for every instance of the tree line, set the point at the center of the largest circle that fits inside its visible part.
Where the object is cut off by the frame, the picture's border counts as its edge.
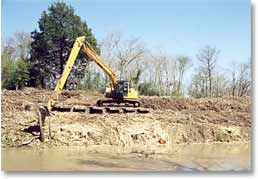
(37, 59)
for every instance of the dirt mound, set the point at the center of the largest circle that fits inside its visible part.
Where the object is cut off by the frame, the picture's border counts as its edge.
(163, 103)
(203, 104)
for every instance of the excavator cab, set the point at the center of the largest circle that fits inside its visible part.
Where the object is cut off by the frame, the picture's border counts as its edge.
(122, 93)
(121, 90)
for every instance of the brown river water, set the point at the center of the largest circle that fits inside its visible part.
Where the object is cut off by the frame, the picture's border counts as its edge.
(190, 157)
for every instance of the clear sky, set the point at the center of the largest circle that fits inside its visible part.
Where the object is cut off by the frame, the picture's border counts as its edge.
(179, 26)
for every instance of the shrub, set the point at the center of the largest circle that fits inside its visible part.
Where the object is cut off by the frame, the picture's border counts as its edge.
(14, 73)
(148, 89)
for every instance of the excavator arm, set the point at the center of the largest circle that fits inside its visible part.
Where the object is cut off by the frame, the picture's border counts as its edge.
(90, 52)
(80, 43)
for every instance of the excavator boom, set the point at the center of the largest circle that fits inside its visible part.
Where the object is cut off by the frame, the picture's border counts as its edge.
(87, 49)
(119, 91)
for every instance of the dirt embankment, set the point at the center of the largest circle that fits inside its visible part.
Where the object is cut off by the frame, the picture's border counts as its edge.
(170, 121)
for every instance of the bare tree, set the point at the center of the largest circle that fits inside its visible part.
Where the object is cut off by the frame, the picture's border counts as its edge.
(233, 75)
(166, 73)
(128, 51)
(22, 43)
(221, 85)
(183, 63)
(162, 71)
(240, 82)
(208, 57)
(108, 51)
(198, 84)
(123, 55)
(244, 80)
(19, 45)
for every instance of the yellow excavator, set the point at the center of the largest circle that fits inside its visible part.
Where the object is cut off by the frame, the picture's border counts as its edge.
(119, 93)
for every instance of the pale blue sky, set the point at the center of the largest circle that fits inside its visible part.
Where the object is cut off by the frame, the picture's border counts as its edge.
(179, 26)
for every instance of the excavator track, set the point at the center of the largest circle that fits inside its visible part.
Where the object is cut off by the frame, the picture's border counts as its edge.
(117, 106)
(118, 102)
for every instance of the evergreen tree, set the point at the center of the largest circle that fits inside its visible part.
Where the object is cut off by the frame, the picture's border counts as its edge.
(59, 26)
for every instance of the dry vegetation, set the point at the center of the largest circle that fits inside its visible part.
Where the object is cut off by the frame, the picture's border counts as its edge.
(170, 121)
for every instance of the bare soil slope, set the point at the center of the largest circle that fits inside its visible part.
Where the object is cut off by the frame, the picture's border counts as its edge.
(170, 121)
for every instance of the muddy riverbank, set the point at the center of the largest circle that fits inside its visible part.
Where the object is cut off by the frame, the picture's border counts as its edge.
(170, 121)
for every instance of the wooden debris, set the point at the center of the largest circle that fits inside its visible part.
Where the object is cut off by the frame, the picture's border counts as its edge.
(143, 110)
(128, 110)
(95, 110)
(112, 110)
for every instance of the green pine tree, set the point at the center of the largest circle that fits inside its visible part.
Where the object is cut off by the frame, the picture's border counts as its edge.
(59, 26)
